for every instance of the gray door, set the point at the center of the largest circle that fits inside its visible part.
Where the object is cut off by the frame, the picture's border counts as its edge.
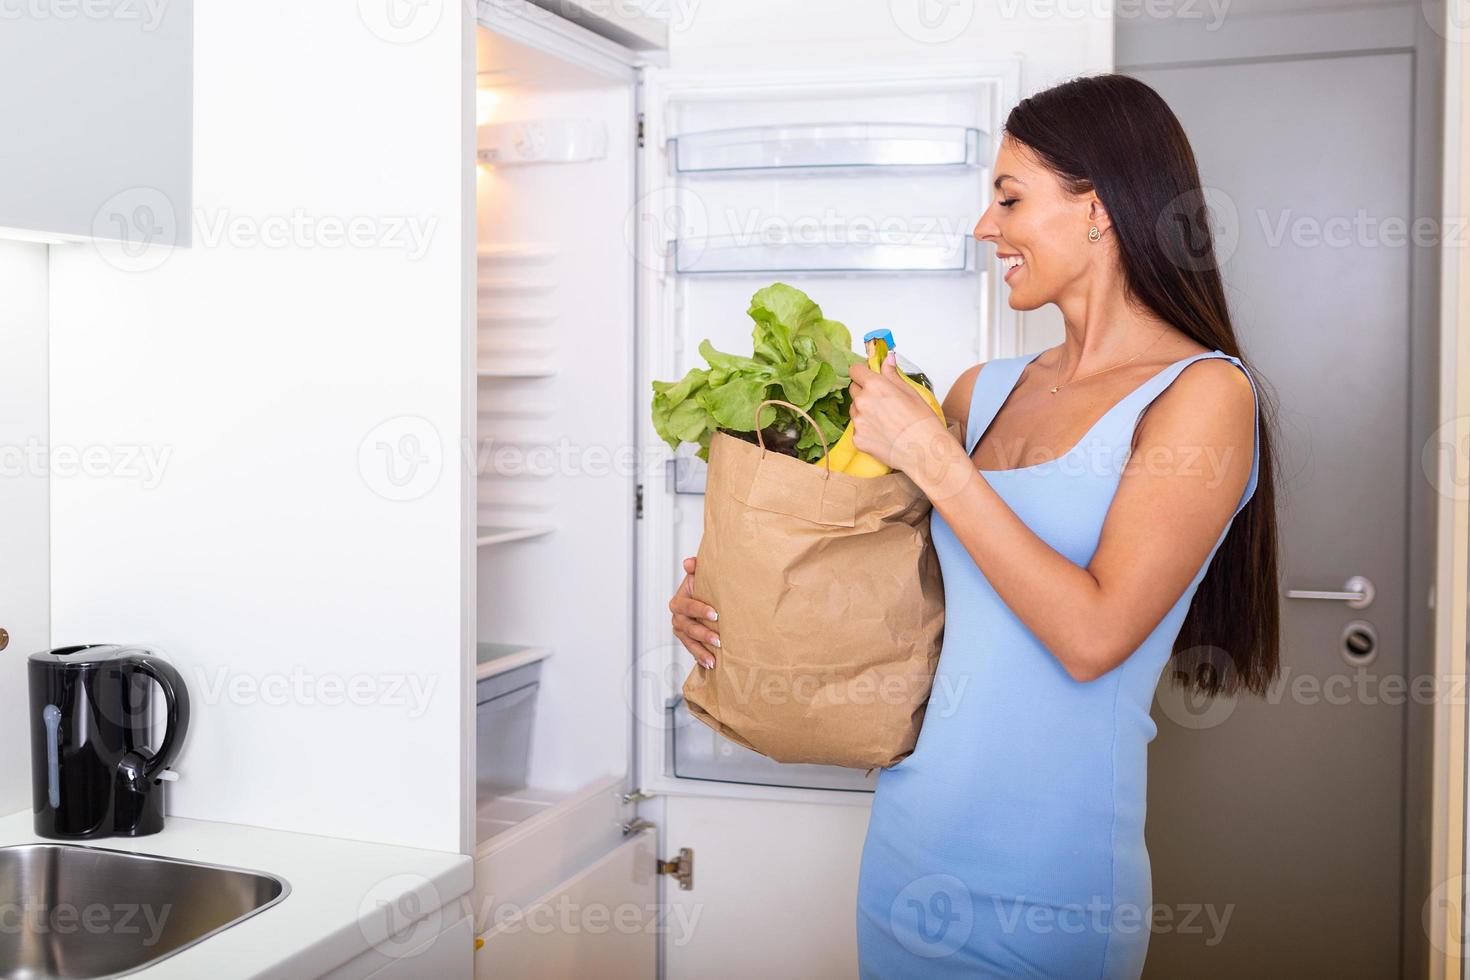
(1275, 827)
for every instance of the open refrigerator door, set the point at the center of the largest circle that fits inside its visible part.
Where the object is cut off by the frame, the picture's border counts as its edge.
(863, 195)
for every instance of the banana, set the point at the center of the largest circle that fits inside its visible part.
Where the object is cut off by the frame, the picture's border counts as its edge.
(841, 453)
(845, 457)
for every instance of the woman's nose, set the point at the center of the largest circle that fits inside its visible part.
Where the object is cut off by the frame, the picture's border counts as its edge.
(985, 228)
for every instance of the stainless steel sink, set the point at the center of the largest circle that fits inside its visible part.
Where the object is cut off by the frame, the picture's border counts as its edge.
(72, 911)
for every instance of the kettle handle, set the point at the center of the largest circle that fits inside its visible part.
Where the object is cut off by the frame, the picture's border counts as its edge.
(176, 711)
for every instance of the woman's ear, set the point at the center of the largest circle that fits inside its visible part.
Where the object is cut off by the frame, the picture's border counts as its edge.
(1097, 214)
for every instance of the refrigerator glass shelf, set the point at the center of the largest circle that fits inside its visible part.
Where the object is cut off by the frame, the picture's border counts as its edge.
(701, 753)
(694, 256)
(487, 534)
(825, 146)
(492, 659)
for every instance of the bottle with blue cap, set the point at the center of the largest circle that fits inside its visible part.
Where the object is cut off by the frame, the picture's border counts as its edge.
(844, 456)
(904, 366)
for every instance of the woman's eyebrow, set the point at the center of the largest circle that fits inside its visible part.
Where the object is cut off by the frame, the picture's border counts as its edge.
(1002, 177)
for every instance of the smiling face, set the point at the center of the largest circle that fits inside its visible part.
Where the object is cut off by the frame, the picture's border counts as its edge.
(1039, 230)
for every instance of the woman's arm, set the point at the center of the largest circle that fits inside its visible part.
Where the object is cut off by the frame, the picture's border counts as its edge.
(1192, 461)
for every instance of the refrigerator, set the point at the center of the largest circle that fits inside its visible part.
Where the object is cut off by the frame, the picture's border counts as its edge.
(626, 212)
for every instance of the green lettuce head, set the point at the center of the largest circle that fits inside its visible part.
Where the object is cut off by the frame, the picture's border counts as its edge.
(798, 356)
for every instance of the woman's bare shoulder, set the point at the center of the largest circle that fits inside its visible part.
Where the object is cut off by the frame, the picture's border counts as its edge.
(957, 403)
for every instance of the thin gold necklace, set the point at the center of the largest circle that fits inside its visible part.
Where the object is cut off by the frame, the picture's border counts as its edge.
(1058, 387)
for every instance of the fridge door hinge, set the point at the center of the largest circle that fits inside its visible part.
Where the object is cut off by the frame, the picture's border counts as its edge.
(640, 130)
(638, 503)
(637, 826)
(682, 868)
(636, 796)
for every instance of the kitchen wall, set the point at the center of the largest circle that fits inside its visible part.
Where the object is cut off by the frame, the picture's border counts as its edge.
(274, 417)
(23, 503)
(1054, 40)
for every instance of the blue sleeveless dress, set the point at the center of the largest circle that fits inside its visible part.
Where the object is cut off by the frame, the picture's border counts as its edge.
(1010, 843)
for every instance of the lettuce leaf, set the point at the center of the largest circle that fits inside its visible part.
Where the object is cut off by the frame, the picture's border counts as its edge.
(798, 356)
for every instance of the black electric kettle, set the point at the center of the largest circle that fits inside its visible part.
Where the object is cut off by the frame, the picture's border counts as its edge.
(92, 771)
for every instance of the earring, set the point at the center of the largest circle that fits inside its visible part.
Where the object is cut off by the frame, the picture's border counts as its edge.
(1093, 234)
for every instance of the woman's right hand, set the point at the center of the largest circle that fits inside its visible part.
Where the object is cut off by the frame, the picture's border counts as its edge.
(693, 620)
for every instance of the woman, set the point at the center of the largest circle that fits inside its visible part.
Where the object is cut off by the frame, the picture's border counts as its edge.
(1083, 541)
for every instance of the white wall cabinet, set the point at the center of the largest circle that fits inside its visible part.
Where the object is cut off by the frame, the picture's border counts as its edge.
(24, 488)
(96, 104)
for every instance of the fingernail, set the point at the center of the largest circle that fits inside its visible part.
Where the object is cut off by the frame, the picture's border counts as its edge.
(712, 616)
(716, 641)
(709, 664)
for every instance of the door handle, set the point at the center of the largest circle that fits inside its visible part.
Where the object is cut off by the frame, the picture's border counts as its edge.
(1358, 593)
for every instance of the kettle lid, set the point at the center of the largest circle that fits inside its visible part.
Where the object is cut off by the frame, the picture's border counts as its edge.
(83, 654)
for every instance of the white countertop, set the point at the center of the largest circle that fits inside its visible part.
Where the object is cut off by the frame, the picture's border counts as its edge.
(338, 906)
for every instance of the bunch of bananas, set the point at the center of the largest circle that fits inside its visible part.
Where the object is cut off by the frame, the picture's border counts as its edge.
(845, 457)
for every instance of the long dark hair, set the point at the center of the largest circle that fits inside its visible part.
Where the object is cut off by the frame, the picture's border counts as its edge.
(1114, 135)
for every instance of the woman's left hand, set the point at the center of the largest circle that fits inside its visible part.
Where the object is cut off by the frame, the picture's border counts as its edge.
(891, 421)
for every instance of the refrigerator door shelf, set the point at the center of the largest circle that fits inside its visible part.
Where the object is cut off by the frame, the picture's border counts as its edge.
(701, 753)
(883, 252)
(824, 147)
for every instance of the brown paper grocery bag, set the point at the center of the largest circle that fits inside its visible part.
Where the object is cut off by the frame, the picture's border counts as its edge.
(831, 608)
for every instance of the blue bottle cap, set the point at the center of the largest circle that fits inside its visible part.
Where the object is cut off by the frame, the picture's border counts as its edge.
(885, 335)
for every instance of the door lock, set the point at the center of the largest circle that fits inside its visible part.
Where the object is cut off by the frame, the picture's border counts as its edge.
(1359, 642)
(1357, 593)
(682, 868)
